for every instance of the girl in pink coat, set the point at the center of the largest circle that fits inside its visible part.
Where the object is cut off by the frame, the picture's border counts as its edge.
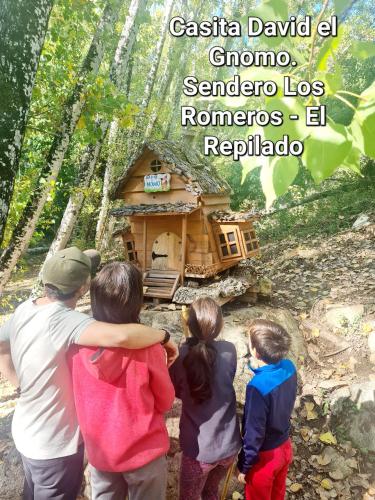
(121, 396)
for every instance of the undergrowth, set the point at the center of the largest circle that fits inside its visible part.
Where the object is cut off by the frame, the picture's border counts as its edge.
(323, 217)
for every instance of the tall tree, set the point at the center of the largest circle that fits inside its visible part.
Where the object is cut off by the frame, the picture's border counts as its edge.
(101, 239)
(23, 26)
(24, 229)
(92, 151)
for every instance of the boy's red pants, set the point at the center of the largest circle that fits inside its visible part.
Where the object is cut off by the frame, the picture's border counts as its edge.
(267, 479)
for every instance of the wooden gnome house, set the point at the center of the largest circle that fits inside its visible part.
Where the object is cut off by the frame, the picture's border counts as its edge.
(181, 225)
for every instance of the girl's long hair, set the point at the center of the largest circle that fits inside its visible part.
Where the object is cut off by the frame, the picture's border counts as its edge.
(117, 293)
(205, 322)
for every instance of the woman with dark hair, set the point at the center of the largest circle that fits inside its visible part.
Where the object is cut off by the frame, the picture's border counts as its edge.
(121, 396)
(203, 379)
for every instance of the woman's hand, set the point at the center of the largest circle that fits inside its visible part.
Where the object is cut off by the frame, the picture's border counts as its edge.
(172, 352)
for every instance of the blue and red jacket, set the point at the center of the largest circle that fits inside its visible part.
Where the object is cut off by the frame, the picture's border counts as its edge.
(270, 398)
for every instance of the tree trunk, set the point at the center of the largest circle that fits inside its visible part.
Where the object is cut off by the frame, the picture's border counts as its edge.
(101, 241)
(92, 151)
(157, 56)
(72, 110)
(102, 236)
(85, 174)
(23, 27)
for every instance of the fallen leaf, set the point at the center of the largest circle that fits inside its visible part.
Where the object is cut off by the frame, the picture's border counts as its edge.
(367, 328)
(326, 484)
(310, 412)
(352, 462)
(337, 475)
(328, 438)
(295, 487)
(315, 332)
(324, 459)
(305, 433)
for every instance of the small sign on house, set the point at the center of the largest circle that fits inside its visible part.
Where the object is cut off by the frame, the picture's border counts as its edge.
(155, 183)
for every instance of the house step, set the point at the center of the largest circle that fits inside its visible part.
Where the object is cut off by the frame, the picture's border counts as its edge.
(160, 284)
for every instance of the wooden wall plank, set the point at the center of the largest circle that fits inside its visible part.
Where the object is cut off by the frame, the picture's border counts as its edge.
(175, 196)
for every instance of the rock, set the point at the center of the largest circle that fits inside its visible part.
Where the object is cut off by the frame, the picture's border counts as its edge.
(358, 420)
(172, 320)
(283, 317)
(338, 399)
(265, 287)
(362, 429)
(363, 393)
(223, 289)
(235, 331)
(338, 315)
(361, 221)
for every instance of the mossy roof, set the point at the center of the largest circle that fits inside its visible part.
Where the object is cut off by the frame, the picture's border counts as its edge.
(183, 160)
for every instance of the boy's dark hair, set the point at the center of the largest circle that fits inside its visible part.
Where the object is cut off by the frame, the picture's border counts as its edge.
(117, 293)
(53, 293)
(271, 340)
(205, 322)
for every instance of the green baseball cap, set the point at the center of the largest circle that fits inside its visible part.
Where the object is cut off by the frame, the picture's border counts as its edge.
(67, 270)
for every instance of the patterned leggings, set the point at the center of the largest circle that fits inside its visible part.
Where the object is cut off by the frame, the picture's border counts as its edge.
(201, 480)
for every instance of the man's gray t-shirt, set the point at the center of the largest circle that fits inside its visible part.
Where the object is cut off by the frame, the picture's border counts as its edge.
(44, 423)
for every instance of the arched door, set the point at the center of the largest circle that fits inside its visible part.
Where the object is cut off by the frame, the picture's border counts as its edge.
(166, 252)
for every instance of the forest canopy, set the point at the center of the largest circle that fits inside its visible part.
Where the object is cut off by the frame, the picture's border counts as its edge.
(99, 77)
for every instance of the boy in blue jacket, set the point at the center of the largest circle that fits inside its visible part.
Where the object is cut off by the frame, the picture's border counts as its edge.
(270, 396)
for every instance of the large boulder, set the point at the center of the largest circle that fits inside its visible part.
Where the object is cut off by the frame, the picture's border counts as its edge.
(219, 291)
(172, 320)
(235, 330)
(354, 412)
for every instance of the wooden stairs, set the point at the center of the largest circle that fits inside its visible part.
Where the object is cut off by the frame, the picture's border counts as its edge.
(160, 284)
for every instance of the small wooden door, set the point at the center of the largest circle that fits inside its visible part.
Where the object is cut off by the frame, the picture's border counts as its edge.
(166, 252)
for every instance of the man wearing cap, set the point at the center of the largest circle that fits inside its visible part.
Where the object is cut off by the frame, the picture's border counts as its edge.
(38, 336)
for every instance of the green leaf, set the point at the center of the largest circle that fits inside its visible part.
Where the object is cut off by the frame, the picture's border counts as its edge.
(277, 176)
(325, 150)
(295, 129)
(248, 162)
(333, 81)
(234, 101)
(352, 161)
(261, 73)
(327, 50)
(272, 10)
(363, 123)
(363, 50)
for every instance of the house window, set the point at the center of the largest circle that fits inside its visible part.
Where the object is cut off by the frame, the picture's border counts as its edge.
(129, 244)
(155, 165)
(228, 243)
(250, 241)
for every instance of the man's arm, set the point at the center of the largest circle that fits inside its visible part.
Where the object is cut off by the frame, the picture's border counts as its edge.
(6, 364)
(129, 336)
